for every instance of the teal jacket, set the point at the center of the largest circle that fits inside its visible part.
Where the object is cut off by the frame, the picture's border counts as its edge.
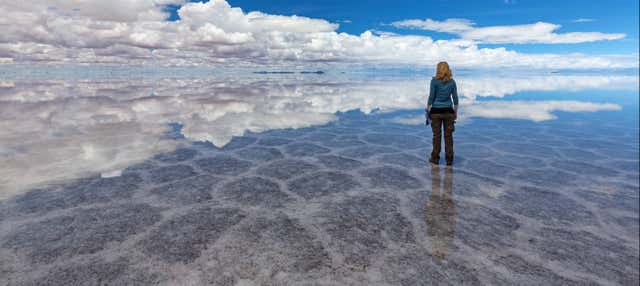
(441, 93)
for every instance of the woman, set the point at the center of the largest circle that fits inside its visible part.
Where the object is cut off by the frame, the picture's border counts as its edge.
(442, 111)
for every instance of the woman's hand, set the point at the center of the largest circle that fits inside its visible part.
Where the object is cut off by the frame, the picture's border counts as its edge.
(455, 115)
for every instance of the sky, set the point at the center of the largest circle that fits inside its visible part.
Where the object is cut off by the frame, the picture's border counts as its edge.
(358, 16)
(491, 33)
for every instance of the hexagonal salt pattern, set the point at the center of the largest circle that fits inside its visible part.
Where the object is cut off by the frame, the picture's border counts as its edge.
(349, 203)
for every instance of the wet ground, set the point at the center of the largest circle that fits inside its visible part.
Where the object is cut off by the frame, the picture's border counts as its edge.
(351, 201)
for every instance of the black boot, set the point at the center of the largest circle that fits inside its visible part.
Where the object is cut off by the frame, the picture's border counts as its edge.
(449, 160)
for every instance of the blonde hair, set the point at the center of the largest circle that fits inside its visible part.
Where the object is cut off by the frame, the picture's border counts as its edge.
(443, 73)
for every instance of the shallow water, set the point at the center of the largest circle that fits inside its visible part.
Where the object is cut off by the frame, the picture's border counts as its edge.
(259, 179)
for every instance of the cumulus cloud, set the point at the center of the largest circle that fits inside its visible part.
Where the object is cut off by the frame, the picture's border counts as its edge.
(539, 32)
(524, 109)
(215, 33)
(62, 129)
(532, 110)
(490, 86)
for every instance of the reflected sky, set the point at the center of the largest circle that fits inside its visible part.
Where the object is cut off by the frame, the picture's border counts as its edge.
(53, 130)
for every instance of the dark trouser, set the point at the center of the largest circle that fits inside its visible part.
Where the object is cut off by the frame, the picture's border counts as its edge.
(437, 120)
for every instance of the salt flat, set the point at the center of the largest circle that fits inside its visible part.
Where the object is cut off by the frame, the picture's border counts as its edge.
(271, 182)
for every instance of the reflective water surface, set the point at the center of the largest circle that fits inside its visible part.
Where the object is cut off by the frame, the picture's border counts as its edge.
(320, 178)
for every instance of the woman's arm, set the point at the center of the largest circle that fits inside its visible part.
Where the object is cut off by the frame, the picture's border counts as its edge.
(454, 95)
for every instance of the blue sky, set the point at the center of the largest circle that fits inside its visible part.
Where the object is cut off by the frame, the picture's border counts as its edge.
(494, 33)
(612, 16)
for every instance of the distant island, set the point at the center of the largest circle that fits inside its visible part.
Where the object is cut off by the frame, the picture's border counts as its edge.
(288, 72)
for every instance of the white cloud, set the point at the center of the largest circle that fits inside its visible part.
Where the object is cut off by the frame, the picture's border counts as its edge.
(582, 20)
(539, 32)
(57, 129)
(447, 26)
(532, 110)
(295, 24)
(489, 86)
(525, 109)
(135, 32)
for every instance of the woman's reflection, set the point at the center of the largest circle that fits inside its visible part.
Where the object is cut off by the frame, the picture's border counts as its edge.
(440, 213)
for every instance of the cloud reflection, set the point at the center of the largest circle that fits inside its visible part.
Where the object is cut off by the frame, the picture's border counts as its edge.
(61, 129)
